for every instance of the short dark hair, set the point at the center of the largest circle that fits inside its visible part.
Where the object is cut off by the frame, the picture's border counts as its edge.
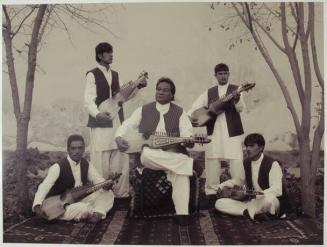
(170, 82)
(221, 67)
(101, 48)
(254, 138)
(74, 137)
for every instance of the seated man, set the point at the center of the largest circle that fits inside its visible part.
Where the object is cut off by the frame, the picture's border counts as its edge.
(262, 174)
(165, 117)
(71, 172)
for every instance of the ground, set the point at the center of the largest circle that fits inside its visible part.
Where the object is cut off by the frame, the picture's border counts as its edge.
(208, 226)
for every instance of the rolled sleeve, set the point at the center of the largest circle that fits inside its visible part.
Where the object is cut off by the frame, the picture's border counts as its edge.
(185, 126)
(93, 175)
(237, 180)
(46, 185)
(240, 105)
(201, 101)
(275, 180)
(130, 124)
(90, 95)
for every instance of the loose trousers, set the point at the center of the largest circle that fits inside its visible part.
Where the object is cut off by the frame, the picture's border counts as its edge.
(178, 167)
(100, 201)
(113, 161)
(261, 204)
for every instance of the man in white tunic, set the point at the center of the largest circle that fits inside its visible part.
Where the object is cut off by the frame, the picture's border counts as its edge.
(225, 130)
(166, 117)
(259, 173)
(71, 172)
(102, 83)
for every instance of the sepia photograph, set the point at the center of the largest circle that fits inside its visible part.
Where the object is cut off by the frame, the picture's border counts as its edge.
(163, 123)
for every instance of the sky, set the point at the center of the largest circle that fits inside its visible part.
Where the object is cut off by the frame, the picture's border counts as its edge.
(164, 39)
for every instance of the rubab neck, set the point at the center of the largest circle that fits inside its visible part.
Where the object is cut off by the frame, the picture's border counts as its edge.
(98, 186)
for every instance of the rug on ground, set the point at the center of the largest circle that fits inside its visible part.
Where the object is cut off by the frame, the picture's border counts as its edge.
(208, 228)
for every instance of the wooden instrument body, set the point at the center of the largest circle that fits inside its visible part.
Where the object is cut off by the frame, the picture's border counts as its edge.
(137, 142)
(54, 206)
(238, 193)
(127, 92)
(204, 114)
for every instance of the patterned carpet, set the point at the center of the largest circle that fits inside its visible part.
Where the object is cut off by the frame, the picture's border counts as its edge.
(208, 228)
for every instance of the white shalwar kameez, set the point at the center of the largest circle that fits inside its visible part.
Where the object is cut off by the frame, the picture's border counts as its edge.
(178, 167)
(100, 201)
(222, 146)
(262, 203)
(104, 154)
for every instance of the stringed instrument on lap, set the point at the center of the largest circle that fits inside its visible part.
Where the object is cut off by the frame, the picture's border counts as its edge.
(203, 115)
(126, 92)
(160, 140)
(54, 206)
(237, 193)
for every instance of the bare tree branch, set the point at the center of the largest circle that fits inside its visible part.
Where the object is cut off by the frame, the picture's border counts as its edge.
(317, 137)
(45, 23)
(64, 27)
(19, 11)
(278, 16)
(79, 18)
(295, 15)
(269, 61)
(270, 36)
(293, 11)
(6, 32)
(313, 47)
(32, 55)
(310, 19)
(22, 22)
(306, 115)
(292, 57)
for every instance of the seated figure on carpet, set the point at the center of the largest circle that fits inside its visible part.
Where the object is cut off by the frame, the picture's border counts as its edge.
(258, 189)
(169, 119)
(69, 173)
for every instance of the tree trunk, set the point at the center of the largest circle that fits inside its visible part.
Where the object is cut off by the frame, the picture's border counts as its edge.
(307, 180)
(21, 165)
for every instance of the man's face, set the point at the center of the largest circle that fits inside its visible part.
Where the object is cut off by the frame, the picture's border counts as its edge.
(76, 150)
(106, 57)
(163, 93)
(254, 151)
(222, 77)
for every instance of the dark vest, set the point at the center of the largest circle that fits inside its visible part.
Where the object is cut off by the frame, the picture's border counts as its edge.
(233, 118)
(66, 179)
(103, 92)
(263, 179)
(151, 116)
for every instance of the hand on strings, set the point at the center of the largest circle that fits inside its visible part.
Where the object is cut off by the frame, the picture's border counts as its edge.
(108, 186)
(189, 143)
(236, 98)
(39, 212)
(122, 144)
(103, 117)
(224, 192)
(142, 84)
(194, 121)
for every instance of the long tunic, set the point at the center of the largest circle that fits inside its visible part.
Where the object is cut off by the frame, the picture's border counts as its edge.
(177, 166)
(100, 201)
(262, 203)
(175, 162)
(102, 138)
(222, 146)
